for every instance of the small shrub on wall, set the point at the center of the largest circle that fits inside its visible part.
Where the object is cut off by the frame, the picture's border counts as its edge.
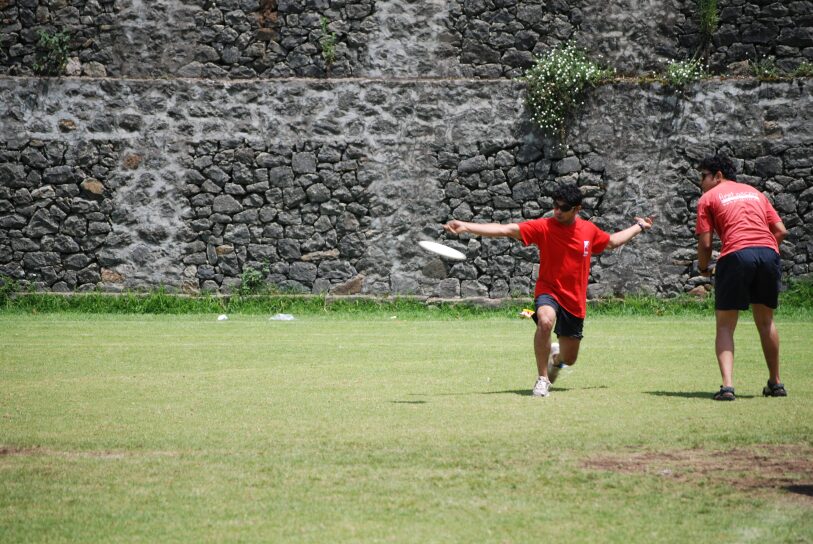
(51, 53)
(805, 69)
(327, 42)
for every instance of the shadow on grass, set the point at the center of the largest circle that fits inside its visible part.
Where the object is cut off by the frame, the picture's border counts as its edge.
(806, 490)
(691, 394)
(407, 402)
(521, 392)
(529, 392)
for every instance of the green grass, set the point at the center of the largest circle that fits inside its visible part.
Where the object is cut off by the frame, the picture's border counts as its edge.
(161, 428)
(796, 300)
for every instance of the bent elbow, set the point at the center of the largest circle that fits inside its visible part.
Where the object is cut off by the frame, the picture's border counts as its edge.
(612, 244)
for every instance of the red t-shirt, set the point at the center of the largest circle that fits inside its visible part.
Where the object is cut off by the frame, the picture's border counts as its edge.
(739, 214)
(564, 258)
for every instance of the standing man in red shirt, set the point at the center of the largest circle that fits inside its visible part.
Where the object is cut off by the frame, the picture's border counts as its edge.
(566, 242)
(748, 269)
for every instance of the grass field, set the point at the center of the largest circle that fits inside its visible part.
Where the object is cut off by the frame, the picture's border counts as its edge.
(117, 428)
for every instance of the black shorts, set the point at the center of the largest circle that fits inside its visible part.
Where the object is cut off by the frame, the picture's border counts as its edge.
(567, 324)
(748, 276)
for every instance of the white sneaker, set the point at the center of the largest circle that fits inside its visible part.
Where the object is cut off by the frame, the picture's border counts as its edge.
(553, 370)
(542, 386)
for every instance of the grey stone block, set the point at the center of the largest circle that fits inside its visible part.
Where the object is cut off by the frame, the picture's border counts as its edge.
(567, 165)
(303, 163)
(472, 165)
(226, 204)
(38, 259)
(41, 223)
(303, 272)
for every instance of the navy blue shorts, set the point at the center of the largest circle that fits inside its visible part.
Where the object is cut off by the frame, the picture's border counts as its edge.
(748, 276)
(567, 324)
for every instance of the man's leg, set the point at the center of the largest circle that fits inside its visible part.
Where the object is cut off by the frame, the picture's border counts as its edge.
(769, 337)
(724, 343)
(545, 320)
(568, 350)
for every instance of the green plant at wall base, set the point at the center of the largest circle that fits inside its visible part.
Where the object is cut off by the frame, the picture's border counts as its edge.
(252, 280)
(8, 287)
(557, 83)
(684, 72)
(709, 18)
(765, 69)
(51, 53)
(328, 42)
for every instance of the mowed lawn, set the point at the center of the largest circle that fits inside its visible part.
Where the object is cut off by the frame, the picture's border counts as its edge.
(323, 429)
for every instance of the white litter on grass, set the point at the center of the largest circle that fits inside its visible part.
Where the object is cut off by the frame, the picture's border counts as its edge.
(281, 317)
(222, 317)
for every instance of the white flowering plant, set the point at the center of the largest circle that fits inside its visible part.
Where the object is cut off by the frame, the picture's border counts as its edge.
(765, 69)
(680, 73)
(557, 82)
(805, 69)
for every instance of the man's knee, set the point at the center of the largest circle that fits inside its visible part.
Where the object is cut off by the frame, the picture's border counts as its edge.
(727, 320)
(545, 322)
(763, 317)
(764, 326)
(568, 353)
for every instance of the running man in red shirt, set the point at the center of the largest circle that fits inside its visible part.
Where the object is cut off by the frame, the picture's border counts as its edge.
(748, 269)
(566, 242)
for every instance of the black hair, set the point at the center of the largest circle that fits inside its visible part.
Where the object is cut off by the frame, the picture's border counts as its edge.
(569, 193)
(719, 163)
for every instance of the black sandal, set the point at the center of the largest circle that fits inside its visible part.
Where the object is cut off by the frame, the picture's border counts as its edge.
(774, 390)
(725, 393)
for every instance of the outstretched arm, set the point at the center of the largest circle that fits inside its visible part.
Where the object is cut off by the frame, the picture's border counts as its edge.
(621, 237)
(491, 230)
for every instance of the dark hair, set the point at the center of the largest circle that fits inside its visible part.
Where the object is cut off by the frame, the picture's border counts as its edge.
(569, 194)
(719, 163)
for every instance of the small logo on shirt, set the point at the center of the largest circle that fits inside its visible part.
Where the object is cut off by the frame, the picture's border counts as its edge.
(586, 248)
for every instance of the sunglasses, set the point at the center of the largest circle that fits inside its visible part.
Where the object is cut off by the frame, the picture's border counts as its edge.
(563, 207)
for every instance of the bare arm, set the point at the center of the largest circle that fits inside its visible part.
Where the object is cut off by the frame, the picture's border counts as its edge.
(621, 237)
(704, 252)
(491, 230)
(779, 231)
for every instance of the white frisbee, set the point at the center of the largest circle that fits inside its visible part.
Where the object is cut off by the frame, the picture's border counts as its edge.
(443, 251)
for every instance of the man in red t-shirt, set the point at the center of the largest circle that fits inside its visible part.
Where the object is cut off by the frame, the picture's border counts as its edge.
(566, 242)
(748, 269)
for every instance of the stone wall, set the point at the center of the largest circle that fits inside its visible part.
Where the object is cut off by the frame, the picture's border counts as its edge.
(327, 186)
(758, 30)
(393, 38)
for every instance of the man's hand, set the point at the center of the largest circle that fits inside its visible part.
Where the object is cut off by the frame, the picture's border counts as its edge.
(455, 227)
(645, 222)
(618, 239)
(708, 272)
